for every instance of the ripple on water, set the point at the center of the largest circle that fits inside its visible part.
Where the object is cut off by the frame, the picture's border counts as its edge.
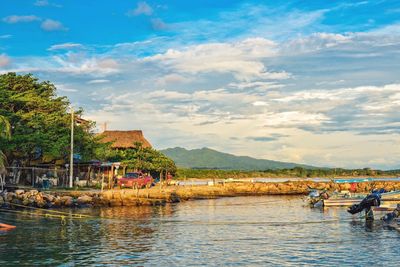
(268, 230)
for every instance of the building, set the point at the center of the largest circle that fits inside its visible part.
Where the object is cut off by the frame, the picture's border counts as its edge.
(124, 139)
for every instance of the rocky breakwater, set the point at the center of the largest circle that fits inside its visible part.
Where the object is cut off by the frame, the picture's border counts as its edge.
(60, 199)
(171, 194)
(273, 188)
(34, 198)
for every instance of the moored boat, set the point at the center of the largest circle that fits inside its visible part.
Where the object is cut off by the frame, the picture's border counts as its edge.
(6, 227)
(386, 198)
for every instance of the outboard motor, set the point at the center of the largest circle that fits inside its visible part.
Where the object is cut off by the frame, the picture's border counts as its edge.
(315, 198)
(388, 218)
(372, 200)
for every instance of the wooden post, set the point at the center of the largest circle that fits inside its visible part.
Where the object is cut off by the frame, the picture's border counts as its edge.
(110, 175)
(33, 177)
(102, 181)
(89, 172)
(161, 178)
(71, 159)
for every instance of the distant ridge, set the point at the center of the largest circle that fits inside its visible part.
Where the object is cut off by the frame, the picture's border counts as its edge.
(206, 158)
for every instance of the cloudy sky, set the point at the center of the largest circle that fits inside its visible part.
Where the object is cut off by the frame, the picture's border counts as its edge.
(315, 83)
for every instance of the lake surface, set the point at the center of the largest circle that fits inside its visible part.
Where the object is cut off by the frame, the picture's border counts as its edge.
(241, 231)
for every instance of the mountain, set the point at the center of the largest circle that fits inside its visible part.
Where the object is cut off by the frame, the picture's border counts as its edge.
(206, 158)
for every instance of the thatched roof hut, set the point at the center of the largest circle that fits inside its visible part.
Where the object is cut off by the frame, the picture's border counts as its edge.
(124, 139)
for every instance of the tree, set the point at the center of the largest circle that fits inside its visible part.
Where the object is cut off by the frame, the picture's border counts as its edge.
(41, 122)
(5, 133)
(138, 158)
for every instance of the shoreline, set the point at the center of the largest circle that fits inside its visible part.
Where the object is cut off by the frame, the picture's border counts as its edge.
(173, 194)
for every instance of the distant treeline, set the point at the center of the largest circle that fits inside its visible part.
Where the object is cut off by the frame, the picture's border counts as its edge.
(294, 172)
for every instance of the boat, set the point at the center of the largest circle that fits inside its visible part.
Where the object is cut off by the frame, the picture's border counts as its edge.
(320, 198)
(6, 227)
(386, 198)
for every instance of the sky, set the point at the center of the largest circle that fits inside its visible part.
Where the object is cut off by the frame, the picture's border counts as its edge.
(314, 82)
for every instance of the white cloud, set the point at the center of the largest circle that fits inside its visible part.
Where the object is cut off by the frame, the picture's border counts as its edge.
(65, 46)
(4, 60)
(242, 59)
(5, 36)
(17, 19)
(142, 9)
(52, 25)
(41, 3)
(158, 24)
(259, 85)
(294, 118)
(212, 117)
(65, 88)
(46, 3)
(315, 42)
(169, 95)
(98, 81)
(173, 78)
(74, 64)
(260, 103)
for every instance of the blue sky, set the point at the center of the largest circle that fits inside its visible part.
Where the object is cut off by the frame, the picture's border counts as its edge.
(315, 82)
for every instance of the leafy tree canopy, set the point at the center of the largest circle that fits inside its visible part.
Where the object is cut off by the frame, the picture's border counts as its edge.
(40, 121)
(5, 132)
(139, 158)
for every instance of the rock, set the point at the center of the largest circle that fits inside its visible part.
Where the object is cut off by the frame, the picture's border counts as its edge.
(19, 192)
(115, 203)
(31, 200)
(16, 201)
(57, 202)
(40, 204)
(10, 196)
(67, 201)
(85, 200)
(33, 192)
(38, 198)
(48, 197)
(26, 201)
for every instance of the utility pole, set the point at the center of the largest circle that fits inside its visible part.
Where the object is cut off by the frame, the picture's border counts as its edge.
(71, 161)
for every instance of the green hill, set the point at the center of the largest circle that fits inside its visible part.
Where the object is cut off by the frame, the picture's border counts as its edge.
(206, 158)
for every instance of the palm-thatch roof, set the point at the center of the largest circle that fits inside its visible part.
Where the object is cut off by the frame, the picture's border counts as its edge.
(124, 139)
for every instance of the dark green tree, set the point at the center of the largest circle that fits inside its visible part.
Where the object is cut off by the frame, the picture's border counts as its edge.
(5, 133)
(40, 121)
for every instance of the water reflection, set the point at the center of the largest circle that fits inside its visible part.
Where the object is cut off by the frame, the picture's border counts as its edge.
(231, 231)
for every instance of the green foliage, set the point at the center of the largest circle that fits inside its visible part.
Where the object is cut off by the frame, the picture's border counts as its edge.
(5, 133)
(138, 158)
(5, 128)
(206, 158)
(40, 121)
(285, 173)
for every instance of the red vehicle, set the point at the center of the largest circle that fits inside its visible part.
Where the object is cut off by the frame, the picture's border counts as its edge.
(135, 180)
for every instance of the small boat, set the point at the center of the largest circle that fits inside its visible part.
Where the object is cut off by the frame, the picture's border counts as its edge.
(386, 198)
(367, 179)
(6, 227)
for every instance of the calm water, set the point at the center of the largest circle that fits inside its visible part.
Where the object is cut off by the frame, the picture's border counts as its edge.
(242, 231)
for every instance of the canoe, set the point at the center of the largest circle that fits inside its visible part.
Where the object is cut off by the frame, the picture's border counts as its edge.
(6, 227)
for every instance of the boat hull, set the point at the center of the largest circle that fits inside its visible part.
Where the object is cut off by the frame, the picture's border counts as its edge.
(347, 202)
